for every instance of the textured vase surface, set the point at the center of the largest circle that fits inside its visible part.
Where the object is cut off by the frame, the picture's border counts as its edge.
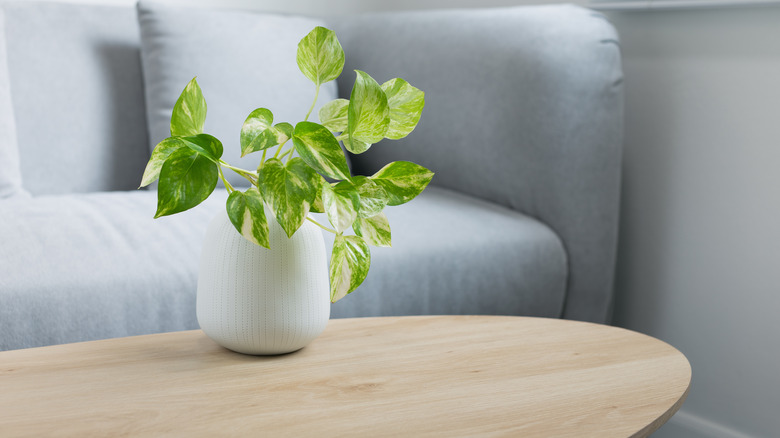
(262, 301)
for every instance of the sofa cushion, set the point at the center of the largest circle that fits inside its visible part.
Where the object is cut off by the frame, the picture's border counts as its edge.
(90, 266)
(77, 96)
(243, 61)
(454, 254)
(10, 173)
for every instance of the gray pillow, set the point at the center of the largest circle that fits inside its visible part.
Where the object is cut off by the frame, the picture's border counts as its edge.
(77, 95)
(10, 173)
(243, 60)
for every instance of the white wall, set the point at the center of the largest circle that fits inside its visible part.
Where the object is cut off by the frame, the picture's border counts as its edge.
(700, 245)
(700, 241)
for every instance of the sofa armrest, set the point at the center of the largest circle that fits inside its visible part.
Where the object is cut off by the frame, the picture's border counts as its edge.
(523, 108)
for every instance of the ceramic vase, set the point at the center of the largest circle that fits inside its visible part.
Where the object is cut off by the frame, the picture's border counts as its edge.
(262, 301)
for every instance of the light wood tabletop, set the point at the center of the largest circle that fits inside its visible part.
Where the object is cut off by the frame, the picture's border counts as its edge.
(407, 376)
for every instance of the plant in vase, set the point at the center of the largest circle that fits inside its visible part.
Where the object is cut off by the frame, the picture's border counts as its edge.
(188, 165)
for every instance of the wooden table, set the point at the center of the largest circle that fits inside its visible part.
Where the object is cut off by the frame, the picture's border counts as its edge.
(410, 376)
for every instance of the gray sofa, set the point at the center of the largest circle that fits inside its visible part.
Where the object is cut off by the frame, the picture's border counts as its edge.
(522, 126)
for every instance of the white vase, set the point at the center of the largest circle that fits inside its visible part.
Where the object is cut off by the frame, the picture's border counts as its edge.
(262, 301)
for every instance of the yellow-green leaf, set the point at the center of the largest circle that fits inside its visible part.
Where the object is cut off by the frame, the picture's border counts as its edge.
(333, 115)
(341, 204)
(319, 149)
(406, 104)
(402, 180)
(374, 230)
(247, 214)
(373, 197)
(204, 144)
(368, 112)
(320, 56)
(349, 264)
(189, 112)
(258, 133)
(186, 179)
(317, 206)
(289, 189)
(355, 146)
(160, 153)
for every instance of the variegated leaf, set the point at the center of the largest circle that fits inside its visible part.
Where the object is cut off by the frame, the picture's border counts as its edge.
(253, 130)
(333, 115)
(402, 180)
(406, 104)
(320, 56)
(247, 213)
(368, 112)
(341, 204)
(320, 149)
(289, 189)
(204, 144)
(317, 206)
(186, 179)
(284, 131)
(355, 146)
(373, 197)
(258, 133)
(349, 264)
(189, 112)
(160, 153)
(374, 230)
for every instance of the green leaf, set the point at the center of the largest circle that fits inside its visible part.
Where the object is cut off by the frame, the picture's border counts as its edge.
(374, 230)
(247, 214)
(283, 129)
(349, 265)
(317, 206)
(257, 133)
(254, 130)
(204, 144)
(355, 146)
(320, 56)
(289, 189)
(406, 104)
(333, 115)
(189, 113)
(160, 153)
(373, 197)
(341, 204)
(402, 181)
(186, 179)
(368, 112)
(320, 149)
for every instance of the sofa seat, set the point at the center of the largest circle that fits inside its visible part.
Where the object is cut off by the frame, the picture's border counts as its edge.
(456, 254)
(92, 266)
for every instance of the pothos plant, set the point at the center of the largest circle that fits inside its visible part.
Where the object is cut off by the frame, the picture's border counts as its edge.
(188, 164)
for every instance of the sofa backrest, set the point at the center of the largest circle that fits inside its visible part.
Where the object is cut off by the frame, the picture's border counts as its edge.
(523, 108)
(77, 89)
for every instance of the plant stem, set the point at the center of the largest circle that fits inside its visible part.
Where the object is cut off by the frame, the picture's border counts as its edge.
(229, 188)
(287, 153)
(237, 169)
(321, 226)
(249, 175)
(316, 95)
(342, 137)
(279, 149)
